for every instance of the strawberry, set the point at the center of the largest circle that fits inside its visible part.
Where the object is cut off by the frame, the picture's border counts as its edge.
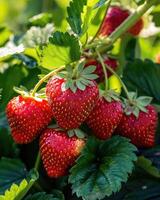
(136, 29)
(105, 117)
(27, 117)
(99, 70)
(72, 100)
(59, 151)
(140, 130)
(115, 16)
(139, 122)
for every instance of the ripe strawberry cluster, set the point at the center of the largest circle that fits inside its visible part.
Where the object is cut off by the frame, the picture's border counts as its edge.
(75, 99)
(29, 117)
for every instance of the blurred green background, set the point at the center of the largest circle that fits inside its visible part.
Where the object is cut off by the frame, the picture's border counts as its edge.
(15, 14)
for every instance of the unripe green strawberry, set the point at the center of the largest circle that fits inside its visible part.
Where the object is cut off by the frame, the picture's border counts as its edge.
(105, 118)
(59, 151)
(115, 16)
(69, 108)
(27, 117)
(141, 130)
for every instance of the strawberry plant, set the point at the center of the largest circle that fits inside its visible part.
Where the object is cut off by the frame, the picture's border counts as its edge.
(79, 103)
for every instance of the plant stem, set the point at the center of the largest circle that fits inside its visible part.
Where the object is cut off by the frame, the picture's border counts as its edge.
(123, 85)
(128, 23)
(45, 78)
(104, 70)
(38, 159)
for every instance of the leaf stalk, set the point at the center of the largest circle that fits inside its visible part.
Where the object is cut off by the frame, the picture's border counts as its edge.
(45, 78)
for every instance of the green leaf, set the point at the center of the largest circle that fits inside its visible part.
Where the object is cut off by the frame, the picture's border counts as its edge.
(74, 15)
(61, 50)
(7, 146)
(13, 75)
(16, 75)
(17, 192)
(57, 195)
(102, 167)
(14, 171)
(147, 165)
(143, 76)
(93, 10)
(141, 186)
(86, 16)
(95, 13)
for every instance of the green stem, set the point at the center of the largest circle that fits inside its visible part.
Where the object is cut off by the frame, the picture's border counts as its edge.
(128, 23)
(38, 159)
(45, 78)
(99, 42)
(131, 20)
(104, 70)
(123, 85)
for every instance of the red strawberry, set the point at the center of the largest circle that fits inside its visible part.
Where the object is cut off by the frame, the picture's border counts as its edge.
(140, 130)
(27, 117)
(115, 16)
(99, 70)
(105, 117)
(59, 151)
(136, 29)
(71, 109)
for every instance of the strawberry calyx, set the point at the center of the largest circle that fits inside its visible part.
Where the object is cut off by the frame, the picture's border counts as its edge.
(56, 127)
(110, 95)
(78, 77)
(25, 93)
(134, 105)
(77, 132)
(21, 90)
(73, 132)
